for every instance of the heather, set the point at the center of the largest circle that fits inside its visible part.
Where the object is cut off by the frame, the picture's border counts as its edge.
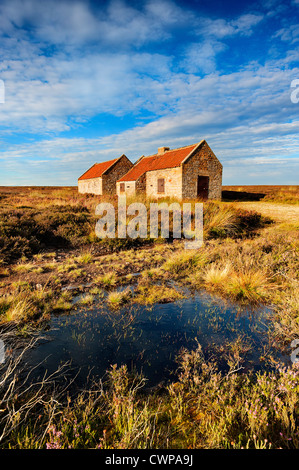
(51, 263)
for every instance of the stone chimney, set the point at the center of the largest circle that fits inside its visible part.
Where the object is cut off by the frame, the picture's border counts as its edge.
(162, 150)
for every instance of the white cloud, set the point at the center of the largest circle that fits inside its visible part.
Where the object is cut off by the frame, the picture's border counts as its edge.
(201, 57)
(289, 34)
(257, 120)
(73, 23)
(77, 62)
(45, 91)
(221, 28)
(247, 126)
(245, 23)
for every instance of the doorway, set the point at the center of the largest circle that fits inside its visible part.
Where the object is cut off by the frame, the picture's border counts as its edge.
(203, 187)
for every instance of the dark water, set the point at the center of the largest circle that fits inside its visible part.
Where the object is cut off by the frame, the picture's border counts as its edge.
(148, 338)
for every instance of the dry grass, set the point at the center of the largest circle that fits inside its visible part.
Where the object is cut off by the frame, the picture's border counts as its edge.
(240, 258)
(251, 284)
(278, 212)
(216, 275)
(86, 299)
(182, 260)
(220, 219)
(85, 258)
(24, 267)
(118, 298)
(280, 194)
(152, 294)
(202, 407)
(106, 280)
(19, 310)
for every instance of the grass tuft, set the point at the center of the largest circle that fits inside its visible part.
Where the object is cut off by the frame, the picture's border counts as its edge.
(151, 294)
(118, 298)
(107, 280)
(216, 275)
(86, 299)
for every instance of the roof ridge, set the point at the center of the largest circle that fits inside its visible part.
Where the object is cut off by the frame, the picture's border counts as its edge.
(166, 151)
(107, 161)
(113, 162)
(88, 174)
(170, 159)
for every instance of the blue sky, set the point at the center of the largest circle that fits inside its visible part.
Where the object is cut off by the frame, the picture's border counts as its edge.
(86, 81)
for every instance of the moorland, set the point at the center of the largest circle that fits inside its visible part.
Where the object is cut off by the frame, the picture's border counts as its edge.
(52, 263)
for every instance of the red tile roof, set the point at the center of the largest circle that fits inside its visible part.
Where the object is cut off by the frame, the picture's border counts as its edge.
(170, 159)
(97, 170)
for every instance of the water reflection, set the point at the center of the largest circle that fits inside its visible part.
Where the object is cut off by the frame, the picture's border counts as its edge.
(148, 338)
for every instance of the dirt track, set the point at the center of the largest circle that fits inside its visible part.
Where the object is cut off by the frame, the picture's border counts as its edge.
(278, 212)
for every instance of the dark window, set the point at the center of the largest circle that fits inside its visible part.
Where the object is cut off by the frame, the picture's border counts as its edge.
(122, 187)
(161, 185)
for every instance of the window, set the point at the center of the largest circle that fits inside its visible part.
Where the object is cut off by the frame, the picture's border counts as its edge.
(122, 187)
(161, 185)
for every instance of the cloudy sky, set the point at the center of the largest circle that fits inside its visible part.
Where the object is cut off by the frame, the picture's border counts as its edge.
(86, 81)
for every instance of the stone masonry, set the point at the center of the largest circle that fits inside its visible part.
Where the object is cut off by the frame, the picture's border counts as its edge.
(111, 176)
(107, 174)
(202, 163)
(191, 172)
(173, 183)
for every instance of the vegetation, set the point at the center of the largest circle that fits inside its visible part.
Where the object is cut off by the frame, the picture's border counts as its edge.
(277, 194)
(286, 196)
(117, 298)
(202, 408)
(149, 294)
(51, 262)
(33, 220)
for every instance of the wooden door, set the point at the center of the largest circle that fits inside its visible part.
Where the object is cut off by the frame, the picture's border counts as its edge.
(203, 187)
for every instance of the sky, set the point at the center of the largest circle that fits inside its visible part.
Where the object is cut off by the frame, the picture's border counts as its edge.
(86, 81)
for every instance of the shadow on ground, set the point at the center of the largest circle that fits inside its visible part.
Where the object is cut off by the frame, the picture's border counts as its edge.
(241, 196)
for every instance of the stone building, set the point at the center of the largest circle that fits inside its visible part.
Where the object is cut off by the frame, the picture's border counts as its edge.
(193, 171)
(101, 178)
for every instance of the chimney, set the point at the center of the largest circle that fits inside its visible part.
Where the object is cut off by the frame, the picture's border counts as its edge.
(162, 150)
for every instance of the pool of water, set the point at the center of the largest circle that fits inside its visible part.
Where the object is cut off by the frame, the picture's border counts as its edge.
(147, 338)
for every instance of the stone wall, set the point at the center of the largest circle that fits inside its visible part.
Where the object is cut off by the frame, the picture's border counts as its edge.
(117, 171)
(132, 187)
(203, 163)
(129, 188)
(141, 184)
(92, 185)
(173, 183)
(180, 182)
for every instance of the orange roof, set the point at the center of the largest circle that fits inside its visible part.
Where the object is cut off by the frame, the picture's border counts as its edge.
(97, 170)
(169, 159)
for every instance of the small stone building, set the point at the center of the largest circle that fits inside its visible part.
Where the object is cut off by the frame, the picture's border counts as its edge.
(193, 171)
(101, 178)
